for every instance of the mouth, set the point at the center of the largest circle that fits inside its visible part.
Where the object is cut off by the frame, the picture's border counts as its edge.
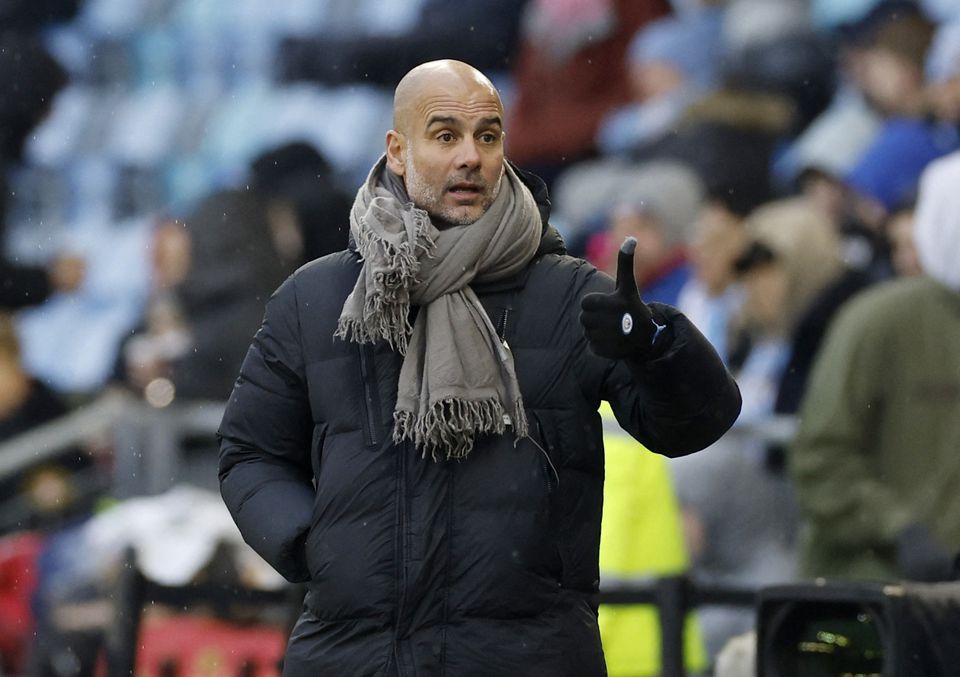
(465, 191)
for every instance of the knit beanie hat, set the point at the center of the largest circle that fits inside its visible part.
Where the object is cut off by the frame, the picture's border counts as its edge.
(890, 168)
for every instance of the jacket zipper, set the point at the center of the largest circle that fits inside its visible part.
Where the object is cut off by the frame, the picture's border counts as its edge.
(371, 401)
(501, 327)
(401, 551)
(550, 471)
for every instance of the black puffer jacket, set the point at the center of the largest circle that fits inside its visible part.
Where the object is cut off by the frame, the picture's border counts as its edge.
(480, 567)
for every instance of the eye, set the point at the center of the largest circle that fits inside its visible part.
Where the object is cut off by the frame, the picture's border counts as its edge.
(488, 137)
(445, 137)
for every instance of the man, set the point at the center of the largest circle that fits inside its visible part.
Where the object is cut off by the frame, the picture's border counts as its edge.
(875, 459)
(414, 432)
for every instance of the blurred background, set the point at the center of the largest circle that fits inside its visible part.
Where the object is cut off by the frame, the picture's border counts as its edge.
(167, 163)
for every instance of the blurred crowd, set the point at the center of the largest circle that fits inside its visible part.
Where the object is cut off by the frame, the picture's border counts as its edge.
(164, 164)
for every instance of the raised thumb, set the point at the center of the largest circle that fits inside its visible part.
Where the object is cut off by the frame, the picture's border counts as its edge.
(626, 282)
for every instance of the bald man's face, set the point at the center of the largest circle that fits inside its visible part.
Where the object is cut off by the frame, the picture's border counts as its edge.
(449, 147)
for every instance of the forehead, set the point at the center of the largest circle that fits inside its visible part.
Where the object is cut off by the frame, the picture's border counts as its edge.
(458, 99)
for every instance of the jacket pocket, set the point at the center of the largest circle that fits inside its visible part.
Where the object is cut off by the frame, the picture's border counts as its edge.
(540, 440)
(372, 420)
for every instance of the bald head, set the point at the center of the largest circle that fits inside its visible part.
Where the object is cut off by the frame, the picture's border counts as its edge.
(439, 81)
(447, 140)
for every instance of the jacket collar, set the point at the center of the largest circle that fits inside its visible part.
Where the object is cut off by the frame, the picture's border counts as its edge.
(551, 242)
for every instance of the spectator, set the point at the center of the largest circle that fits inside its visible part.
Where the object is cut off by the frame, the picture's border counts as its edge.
(44, 494)
(670, 63)
(711, 298)
(893, 40)
(729, 137)
(582, 196)
(749, 23)
(885, 176)
(233, 270)
(570, 72)
(798, 66)
(815, 163)
(29, 77)
(875, 454)
(880, 72)
(165, 336)
(727, 134)
(795, 280)
(309, 214)
(214, 274)
(657, 205)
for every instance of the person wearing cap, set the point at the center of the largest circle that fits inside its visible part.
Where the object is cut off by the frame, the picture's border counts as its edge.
(414, 433)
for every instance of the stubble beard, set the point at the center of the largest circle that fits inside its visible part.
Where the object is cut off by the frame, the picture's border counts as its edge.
(429, 197)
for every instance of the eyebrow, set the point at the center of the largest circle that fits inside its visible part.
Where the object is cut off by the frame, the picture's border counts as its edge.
(454, 122)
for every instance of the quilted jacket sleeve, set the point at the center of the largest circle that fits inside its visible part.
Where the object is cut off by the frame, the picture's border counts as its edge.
(679, 402)
(265, 438)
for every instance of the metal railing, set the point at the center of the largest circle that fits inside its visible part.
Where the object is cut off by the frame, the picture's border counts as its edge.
(146, 439)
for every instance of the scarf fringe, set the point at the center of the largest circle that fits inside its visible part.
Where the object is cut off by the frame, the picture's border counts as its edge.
(378, 323)
(386, 312)
(449, 427)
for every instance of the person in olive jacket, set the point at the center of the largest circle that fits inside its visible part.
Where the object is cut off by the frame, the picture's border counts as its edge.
(414, 432)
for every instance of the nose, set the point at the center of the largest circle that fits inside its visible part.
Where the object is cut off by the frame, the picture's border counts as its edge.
(469, 156)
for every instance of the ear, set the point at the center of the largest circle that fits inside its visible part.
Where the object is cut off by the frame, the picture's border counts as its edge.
(396, 149)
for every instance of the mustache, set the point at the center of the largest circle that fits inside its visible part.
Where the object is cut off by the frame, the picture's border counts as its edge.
(475, 179)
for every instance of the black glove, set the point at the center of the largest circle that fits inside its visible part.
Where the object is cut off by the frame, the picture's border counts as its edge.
(921, 557)
(620, 325)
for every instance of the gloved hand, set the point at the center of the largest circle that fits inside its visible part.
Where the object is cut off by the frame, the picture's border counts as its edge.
(620, 325)
(921, 557)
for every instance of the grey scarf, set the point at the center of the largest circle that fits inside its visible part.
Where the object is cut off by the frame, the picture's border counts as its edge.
(457, 380)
